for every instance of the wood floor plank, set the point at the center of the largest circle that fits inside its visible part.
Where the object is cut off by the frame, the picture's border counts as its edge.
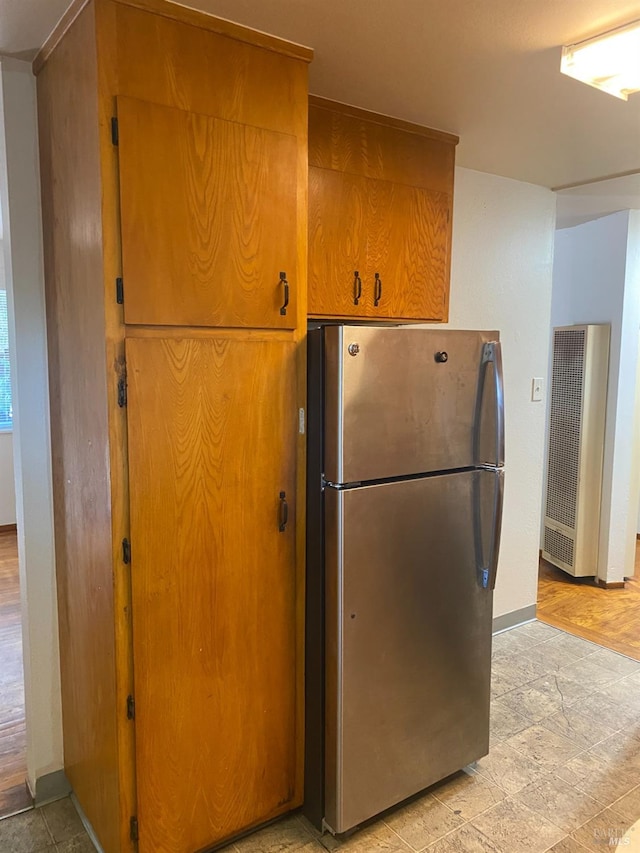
(14, 795)
(610, 617)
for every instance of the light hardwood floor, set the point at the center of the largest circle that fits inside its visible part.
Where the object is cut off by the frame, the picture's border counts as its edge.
(13, 760)
(610, 617)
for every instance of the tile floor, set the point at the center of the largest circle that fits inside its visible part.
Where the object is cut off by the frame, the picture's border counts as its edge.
(563, 773)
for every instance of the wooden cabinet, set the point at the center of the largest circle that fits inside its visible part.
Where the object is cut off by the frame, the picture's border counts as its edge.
(380, 204)
(174, 178)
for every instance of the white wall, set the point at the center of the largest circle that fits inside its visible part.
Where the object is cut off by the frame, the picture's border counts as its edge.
(501, 279)
(22, 243)
(7, 489)
(594, 270)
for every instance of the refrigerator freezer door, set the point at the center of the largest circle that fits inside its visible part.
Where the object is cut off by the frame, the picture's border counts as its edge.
(403, 401)
(408, 640)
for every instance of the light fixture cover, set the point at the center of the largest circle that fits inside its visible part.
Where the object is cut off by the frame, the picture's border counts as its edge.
(610, 61)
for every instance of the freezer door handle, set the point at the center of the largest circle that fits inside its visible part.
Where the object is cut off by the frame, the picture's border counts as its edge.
(491, 354)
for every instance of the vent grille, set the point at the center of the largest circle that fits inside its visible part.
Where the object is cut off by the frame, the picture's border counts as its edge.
(567, 378)
(558, 546)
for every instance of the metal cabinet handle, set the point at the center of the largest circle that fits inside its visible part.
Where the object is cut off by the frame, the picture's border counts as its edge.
(283, 515)
(357, 287)
(377, 290)
(283, 281)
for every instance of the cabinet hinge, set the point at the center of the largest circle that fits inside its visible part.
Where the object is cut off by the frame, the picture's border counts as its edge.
(133, 829)
(122, 389)
(131, 708)
(114, 131)
(126, 552)
(119, 291)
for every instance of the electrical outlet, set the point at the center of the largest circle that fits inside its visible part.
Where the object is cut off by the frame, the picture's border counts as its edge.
(537, 386)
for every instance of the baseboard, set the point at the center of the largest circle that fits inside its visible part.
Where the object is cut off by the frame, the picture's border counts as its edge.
(8, 528)
(53, 786)
(516, 617)
(611, 584)
(86, 824)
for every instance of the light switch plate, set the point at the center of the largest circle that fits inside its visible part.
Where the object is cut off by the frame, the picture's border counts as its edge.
(537, 387)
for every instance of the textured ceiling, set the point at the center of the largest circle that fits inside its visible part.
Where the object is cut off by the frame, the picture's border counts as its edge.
(484, 69)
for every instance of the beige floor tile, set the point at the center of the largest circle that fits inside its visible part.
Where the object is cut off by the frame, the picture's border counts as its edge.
(576, 646)
(560, 802)
(601, 707)
(505, 722)
(513, 828)
(423, 821)
(284, 835)
(518, 669)
(535, 701)
(552, 657)
(615, 662)
(577, 727)
(545, 747)
(537, 632)
(624, 692)
(622, 748)
(589, 674)
(602, 780)
(468, 794)
(25, 833)
(467, 839)
(628, 806)
(78, 844)
(508, 642)
(62, 819)
(501, 681)
(567, 845)
(377, 838)
(606, 830)
(508, 769)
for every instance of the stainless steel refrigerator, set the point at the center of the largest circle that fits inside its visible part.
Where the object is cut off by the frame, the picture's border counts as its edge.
(405, 486)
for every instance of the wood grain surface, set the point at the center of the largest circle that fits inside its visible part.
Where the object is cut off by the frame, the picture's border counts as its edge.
(379, 147)
(212, 435)
(609, 617)
(74, 285)
(14, 795)
(380, 202)
(208, 211)
(373, 226)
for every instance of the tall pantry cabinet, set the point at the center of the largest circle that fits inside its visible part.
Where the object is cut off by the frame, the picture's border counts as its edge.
(174, 187)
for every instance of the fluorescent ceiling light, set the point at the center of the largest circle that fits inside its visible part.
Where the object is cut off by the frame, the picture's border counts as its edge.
(610, 62)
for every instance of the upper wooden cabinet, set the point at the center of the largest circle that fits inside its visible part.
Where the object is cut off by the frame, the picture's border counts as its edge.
(380, 204)
(208, 211)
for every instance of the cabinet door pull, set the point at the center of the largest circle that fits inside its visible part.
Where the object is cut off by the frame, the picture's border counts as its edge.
(357, 287)
(285, 283)
(283, 512)
(377, 290)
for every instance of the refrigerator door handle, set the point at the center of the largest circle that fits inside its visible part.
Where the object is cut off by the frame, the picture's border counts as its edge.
(491, 354)
(498, 502)
(487, 555)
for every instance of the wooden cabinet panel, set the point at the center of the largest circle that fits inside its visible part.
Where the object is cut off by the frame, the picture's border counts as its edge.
(212, 438)
(395, 236)
(208, 210)
(338, 211)
(380, 197)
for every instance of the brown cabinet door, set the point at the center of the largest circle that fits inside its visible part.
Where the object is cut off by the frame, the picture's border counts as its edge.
(208, 210)
(395, 236)
(407, 271)
(338, 212)
(212, 436)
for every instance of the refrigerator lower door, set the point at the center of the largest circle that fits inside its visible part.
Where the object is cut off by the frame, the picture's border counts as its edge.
(408, 640)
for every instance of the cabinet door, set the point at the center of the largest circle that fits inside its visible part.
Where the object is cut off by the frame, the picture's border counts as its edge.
(208, 210)
(212, 436)
(338, 211)
(408, 248)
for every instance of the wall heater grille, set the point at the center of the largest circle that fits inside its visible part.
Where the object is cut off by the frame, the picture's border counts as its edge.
(576, 446)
